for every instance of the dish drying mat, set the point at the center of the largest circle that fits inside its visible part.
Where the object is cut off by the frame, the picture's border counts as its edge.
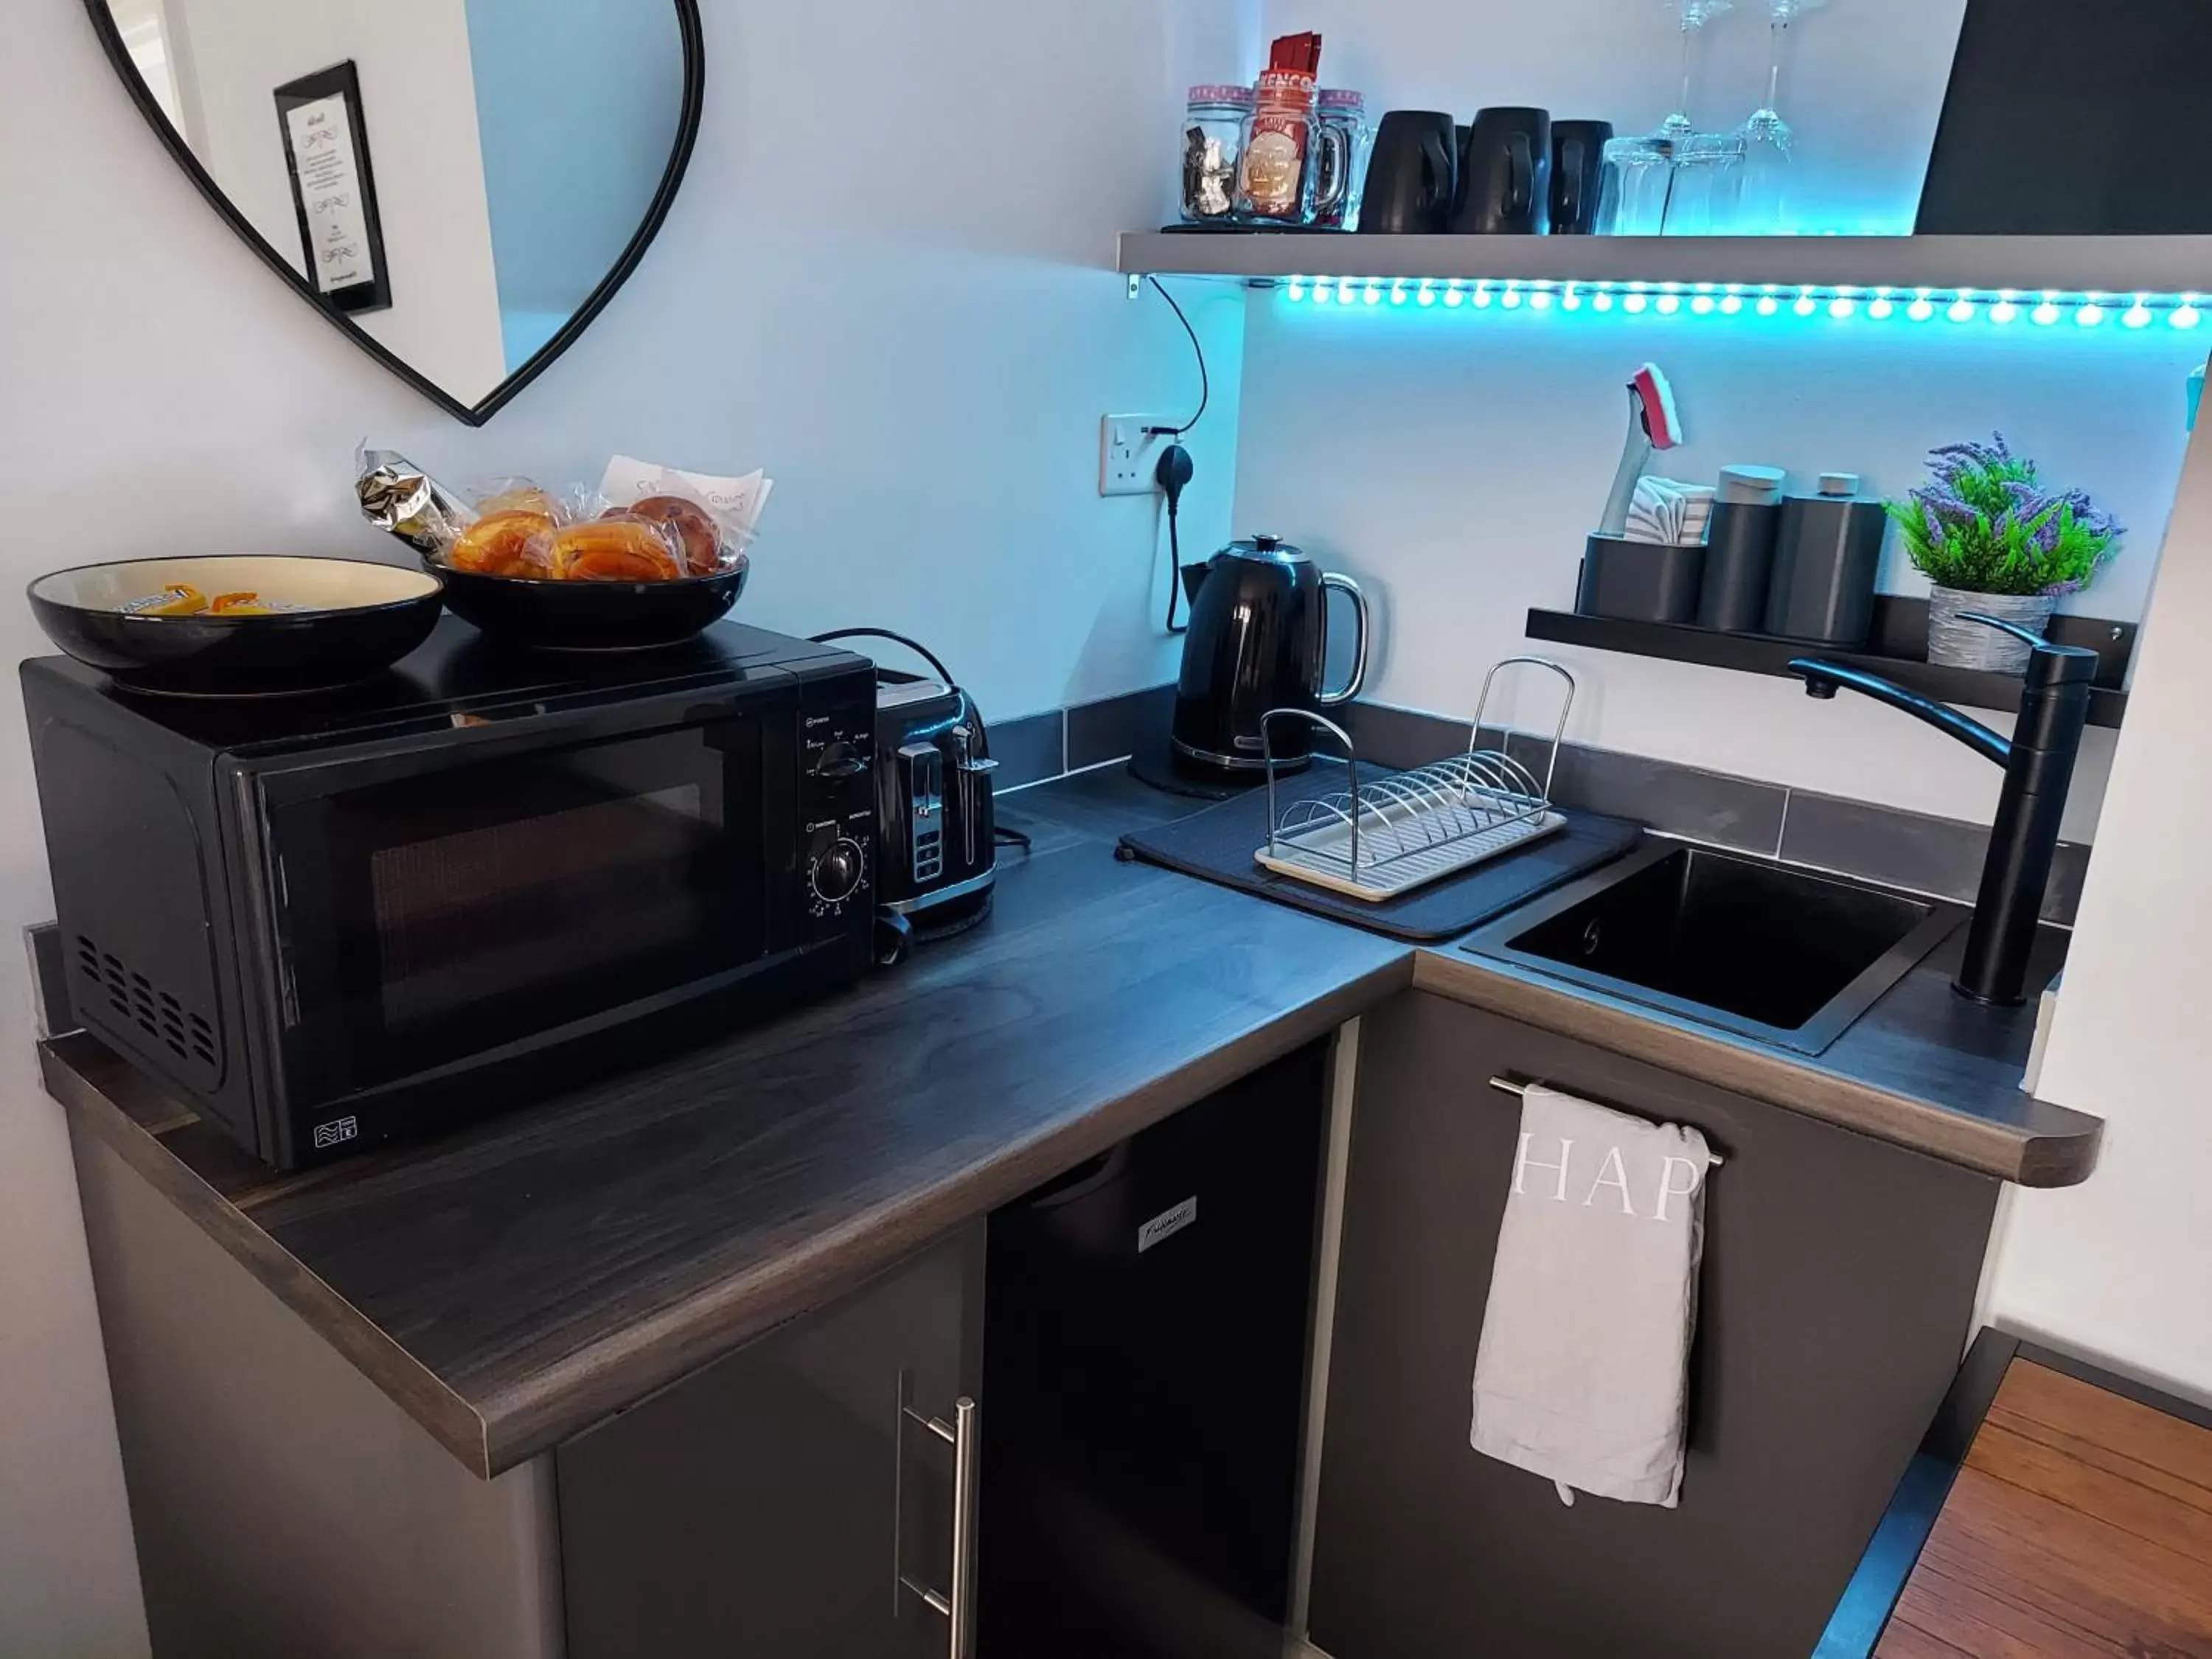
(1216, 845)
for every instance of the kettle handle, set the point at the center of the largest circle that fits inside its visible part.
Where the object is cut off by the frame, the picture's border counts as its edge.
(1358, 680)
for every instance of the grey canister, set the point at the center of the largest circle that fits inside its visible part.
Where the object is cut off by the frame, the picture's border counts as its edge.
(1827, 553)
(1640, 581)
(1740, 550)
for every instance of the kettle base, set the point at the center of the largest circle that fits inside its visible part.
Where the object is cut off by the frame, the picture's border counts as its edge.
(1157, 763)
(1238, 766)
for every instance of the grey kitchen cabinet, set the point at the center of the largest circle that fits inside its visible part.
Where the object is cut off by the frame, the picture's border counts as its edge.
(790, 1500)
(1836, 1297)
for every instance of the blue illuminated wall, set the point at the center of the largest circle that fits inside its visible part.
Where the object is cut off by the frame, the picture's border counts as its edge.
(576, 124)
(1866, 82)
(1453, 457)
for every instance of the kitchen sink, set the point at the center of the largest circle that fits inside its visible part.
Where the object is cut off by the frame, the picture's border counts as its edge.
(1786, 956)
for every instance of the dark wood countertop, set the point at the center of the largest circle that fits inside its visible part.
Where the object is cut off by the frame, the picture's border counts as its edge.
(514, 1283)
(517, 1281)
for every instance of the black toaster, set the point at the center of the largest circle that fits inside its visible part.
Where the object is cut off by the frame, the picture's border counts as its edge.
(936, 830)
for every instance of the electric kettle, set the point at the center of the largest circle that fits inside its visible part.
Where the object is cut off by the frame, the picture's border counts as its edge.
(1258, 635)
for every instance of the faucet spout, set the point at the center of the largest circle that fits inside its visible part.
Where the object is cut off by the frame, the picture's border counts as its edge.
(1822, 679)
(2038, 768)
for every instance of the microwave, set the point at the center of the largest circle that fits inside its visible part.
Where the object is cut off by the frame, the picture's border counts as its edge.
(329, 921)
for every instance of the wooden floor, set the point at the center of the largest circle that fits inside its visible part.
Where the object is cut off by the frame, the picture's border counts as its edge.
(2080, 1524)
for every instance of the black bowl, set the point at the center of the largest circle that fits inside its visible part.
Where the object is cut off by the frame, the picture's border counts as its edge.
(582, 616)
(367, 617)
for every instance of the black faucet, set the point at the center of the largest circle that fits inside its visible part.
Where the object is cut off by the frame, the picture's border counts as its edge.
(2039, 764)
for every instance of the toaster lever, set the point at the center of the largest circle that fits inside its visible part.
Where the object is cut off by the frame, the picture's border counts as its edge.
(924, 793)
(970, 769)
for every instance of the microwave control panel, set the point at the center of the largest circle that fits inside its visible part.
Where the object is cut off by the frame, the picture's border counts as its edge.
(838, 806)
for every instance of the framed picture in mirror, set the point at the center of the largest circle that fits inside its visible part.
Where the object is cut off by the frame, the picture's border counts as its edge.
(526, 154)
(334, 188)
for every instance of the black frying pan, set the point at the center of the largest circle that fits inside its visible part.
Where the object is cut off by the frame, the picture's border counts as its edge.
(585, 616)
(357, 618)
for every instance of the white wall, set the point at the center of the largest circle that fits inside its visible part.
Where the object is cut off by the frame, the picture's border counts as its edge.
(418, 106)
(2123, 1265)
(1455, 460)
(922, 364)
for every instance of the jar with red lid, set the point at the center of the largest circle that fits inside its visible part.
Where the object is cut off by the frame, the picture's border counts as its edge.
(1274, 179)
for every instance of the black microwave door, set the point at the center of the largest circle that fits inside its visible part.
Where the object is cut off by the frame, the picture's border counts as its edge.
(431, 916)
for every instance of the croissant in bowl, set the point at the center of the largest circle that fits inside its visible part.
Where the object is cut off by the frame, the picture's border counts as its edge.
(619, 548)
(513, 544)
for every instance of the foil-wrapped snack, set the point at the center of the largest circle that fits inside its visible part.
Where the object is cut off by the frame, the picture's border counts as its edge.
(398, 495)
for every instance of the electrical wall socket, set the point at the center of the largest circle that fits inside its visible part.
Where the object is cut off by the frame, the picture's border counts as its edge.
(1128, 458)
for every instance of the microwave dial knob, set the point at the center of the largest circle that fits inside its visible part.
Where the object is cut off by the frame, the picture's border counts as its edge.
(839, 760)
(837, 870)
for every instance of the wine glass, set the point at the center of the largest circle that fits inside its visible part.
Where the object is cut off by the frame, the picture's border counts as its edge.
(1691, 15)
(1769, 146)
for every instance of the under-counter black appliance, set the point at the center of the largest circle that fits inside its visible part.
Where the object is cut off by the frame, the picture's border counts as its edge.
(1257, 643)
(936, 824)
(327, 921)
(1143, 1379)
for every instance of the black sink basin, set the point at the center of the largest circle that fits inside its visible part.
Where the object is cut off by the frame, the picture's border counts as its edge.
(1780, 954)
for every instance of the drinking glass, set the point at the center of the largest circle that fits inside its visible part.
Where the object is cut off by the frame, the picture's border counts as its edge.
(1703, 196)
(1632, 195)
(1693, 15)
(1769, 145)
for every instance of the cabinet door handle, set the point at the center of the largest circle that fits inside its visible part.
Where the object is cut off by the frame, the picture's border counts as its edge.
(964, 1435)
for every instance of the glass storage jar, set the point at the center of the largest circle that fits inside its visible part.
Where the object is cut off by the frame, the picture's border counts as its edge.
(1212, 141)
(1274, 177)
(1340, 168)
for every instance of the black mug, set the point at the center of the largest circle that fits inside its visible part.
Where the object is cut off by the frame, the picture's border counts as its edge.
(1577, 171)
(1412, 176)
(1506, 174)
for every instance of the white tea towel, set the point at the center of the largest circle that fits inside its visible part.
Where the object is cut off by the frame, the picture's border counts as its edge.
(1582, 1375)
(1669, 513)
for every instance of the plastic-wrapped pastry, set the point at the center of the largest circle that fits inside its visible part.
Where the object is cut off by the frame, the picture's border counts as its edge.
(240, 604)
(689, 523)
(506, 545)
(398, 495)
(619, 548)
(519, 495)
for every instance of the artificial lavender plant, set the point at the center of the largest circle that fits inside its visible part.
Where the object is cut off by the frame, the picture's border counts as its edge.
(1984, 524)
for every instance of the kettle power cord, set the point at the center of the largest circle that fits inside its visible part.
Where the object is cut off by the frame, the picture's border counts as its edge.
(1176, 468)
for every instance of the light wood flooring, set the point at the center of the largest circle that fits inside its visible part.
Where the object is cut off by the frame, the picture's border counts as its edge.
(2080, 1524)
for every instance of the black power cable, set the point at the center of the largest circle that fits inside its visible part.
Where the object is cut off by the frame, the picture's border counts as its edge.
(1205, 380)
(1176, 467)
(982, 732)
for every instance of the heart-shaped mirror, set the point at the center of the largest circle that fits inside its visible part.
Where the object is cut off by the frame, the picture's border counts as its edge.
(460, 185)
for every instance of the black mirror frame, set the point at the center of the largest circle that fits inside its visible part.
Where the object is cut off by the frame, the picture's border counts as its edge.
(686, 135)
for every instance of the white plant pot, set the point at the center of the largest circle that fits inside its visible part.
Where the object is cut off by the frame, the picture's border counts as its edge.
(1953, 643)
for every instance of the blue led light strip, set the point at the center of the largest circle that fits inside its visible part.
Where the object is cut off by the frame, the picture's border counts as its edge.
(2042, 309)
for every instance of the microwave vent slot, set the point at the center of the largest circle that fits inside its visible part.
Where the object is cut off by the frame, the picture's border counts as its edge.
(153, 1011)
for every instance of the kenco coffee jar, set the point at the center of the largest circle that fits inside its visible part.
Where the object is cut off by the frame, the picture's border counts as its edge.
(1274, 181)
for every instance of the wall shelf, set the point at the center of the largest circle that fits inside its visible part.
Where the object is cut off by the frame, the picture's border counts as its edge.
(1894, 652)
(2172, 267)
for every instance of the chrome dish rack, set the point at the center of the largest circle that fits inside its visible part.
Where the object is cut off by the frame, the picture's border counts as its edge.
(1378, 840)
